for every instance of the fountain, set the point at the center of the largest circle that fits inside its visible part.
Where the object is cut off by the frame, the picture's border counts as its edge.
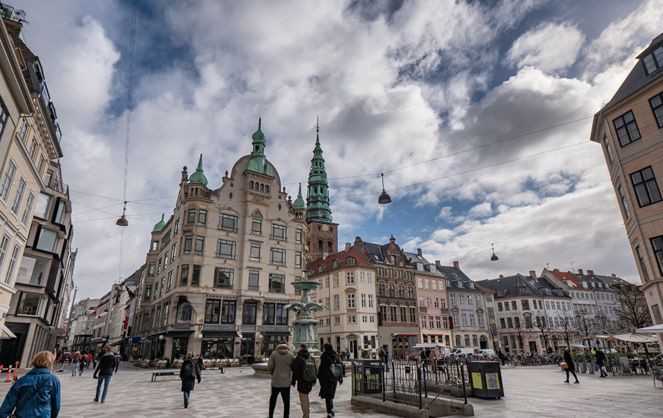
(305, 326)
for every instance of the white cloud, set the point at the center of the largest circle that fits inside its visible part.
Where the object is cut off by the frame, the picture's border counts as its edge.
(551, 47)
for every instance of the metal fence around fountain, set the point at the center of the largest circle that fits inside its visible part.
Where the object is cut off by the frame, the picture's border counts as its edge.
(412, 383)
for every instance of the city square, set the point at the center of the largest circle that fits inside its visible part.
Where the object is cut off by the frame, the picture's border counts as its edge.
(529, 392)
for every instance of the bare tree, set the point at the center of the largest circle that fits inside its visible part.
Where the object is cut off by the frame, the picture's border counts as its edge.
(568, 329)
(633, 312)
(585, 326)
(519, 327)
(544, 327)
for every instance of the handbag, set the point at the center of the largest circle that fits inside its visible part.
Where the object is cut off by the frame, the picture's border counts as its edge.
(563, 365)
(17, 409)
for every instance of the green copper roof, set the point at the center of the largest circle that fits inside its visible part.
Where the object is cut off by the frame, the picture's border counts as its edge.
(198, 177)
(299, 202)
(317, 200)
(159, 225)
(258, 162)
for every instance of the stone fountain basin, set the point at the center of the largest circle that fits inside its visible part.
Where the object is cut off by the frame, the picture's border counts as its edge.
(306, 285)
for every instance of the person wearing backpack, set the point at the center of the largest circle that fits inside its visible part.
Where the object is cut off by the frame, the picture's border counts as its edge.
(304, 373)
(75, 362)
(189, 373)
(329, 375)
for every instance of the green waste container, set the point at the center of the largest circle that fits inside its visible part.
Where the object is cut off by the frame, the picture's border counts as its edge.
(486, 379)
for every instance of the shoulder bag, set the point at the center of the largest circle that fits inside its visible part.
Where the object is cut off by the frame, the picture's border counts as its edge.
(18, 409)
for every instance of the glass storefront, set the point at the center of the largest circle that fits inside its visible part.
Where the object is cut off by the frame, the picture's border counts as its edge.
(180, 347)
(214, 348)
(248, 344)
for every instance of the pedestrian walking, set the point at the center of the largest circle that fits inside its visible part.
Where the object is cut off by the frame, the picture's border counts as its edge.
(600, 361)
(304, 374)
(502, 357)
(280, 367)
(94, 360)
(201, 363)
(37, 394)
(63, 358)
(75, 363)
(571, 367)
(104, 371)
(189, 372)
(433, 360)
(329, 378)
(89, 360)
(83, 364)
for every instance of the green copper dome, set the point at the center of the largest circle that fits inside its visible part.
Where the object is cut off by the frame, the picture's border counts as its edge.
(198, 177)
(299, 202)
(258, 162)
(159, 225)
(317, 200)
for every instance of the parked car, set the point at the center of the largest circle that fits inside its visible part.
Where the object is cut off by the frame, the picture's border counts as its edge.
(463, 351)
(485, 352)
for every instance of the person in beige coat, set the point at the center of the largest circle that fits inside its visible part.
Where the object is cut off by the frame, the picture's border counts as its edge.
(280, 367)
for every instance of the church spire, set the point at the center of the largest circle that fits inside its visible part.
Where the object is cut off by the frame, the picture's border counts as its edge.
(317, 200)
(258, 162)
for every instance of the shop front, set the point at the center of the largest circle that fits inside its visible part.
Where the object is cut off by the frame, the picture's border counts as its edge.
(180, 343)
(271, 338)
(218, 343)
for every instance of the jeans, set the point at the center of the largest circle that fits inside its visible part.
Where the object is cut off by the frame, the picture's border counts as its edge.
(329, 404)
(603, 373)
(74, 368)
(285, 395)
(303, 400)
(106, 381)
(571, 371)
(186, 396)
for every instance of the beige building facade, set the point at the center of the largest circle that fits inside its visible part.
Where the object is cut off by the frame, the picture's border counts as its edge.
(630, 131)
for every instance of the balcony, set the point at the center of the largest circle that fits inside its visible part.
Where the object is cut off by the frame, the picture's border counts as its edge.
(58, 186)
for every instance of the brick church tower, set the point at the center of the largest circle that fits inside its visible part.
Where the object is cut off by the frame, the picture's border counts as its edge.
(321, 233)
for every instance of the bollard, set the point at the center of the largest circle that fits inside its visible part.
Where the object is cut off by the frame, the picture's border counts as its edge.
(222, 370)
(9, 374)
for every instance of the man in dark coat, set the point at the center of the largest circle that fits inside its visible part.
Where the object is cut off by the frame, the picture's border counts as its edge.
(303, 387)
(107, 365)
(600, 361)
(327, 383)
(571, 367)
(189, 372)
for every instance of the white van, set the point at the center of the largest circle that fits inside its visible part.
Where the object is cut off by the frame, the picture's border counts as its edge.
(486, 352)
(463, 351)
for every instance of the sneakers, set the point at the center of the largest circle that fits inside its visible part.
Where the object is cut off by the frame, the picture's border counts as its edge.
(96, 399)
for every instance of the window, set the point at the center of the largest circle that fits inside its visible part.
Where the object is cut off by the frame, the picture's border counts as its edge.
(33, 149)
(188, 243)
(27, 212)
(423, 321)
(200, 241)
(351, 300)
(528, 322)
(12, 264)
(525, 305)
(392, 290)
(627, 128)
(191, 217)
(298, 260)
(277, 256)
(8, 179)
(370, 301)
(148, 292)
(281, 314)
(452, 299)
(514, 306)
(165, 260)
(225, 249)
(656, 103)
(510, 322)
(228, 222)
(516, 322)
(212, 311)
(336, 280)
(475, 341)
(623, 200)
(177, 226)
(653, 61)
(363, 300)
(47, 240)
(22, 130)
(607, 148)
(646, 189)
(472, 320)
(18, 197)
(223, 277)
(463, 318)
(169, 282)
(410, 292)
(255, 252)
(173, 252)
(184, 311)
(195, 276)
(202, 217)
(254, 279)
(228, 309)
(249, 313)
(350, 277)
(276, 283)
(256, 227)
(413, 314)
(369, 277)
(268, 313)
(502, 323)
(155, 244)
(278, 232)
(467, 340)
(298, 236)
(642, 263)
(184, 276)
(431, 321)
(30, 304)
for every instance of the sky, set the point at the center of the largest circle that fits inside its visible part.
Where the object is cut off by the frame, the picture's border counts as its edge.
(478, 113)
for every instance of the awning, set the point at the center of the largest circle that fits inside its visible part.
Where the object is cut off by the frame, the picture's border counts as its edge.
(6, 332)
(405, 335)
(655, 329)
(277, 333)
(635, 338)
(179, 333)
(220, 334)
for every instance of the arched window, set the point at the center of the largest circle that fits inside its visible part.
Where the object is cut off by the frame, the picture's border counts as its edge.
(266, 189)
(330, 246)
(320, 245)
(262, 187)
(251, 185)
(184, 310)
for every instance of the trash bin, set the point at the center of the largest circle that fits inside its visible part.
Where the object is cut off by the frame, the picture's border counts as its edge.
(486, 379)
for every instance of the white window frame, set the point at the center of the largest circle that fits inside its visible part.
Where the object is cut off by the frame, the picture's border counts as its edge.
(7, 180)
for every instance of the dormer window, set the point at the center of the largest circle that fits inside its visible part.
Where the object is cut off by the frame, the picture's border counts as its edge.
(471, 284)
(500, 293)
(653, 61)
(321, 268)
(350, 260)
(335, 263)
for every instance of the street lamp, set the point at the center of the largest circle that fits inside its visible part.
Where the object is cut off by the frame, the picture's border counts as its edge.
(122, 221)
(493, 257)
(384, 198)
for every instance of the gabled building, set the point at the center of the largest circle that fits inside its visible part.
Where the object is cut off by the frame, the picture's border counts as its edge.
(466, 308)
(431, 294)
(398, 326)
(220, 268)
(347, 293)
(629, 129)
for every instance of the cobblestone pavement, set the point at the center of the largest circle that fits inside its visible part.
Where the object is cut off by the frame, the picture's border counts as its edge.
(530, 392)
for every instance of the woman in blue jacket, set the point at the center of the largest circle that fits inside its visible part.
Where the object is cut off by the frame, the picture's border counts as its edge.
(37, 394)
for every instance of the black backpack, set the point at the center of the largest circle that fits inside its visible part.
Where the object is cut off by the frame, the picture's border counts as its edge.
(310, 372)
(189, 370)
(336, 371)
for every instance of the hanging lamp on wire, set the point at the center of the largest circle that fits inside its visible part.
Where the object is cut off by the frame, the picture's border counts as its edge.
(384, 197)
(122, 221)
(493, 257)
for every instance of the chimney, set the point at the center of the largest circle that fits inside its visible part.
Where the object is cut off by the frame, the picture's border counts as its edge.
(501, 277)
(532, 274)
(348, 246)
(437, 263)
(419, 252)
(590, 272)
(613, 275)
(580, 272)
(456, 265)
(557, 270)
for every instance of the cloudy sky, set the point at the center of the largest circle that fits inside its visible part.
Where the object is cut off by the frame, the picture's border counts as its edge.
(477, 112)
